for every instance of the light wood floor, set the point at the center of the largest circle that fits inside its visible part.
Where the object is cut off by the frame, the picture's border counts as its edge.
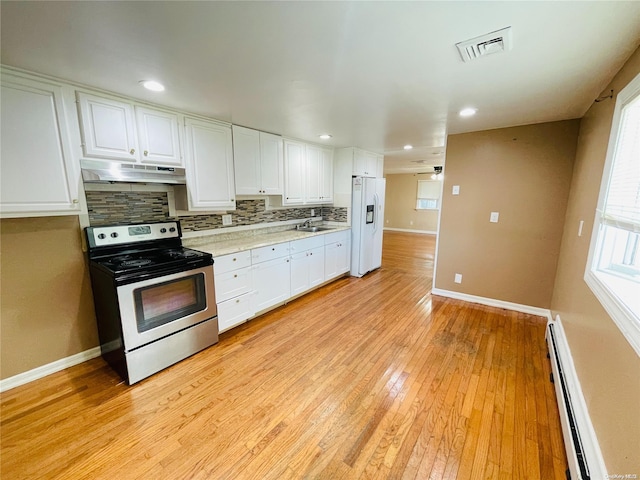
(364, 378)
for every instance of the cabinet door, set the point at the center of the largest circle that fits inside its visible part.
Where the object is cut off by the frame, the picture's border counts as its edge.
(365, 163)
(209, 165)
(107, 128)
(316, 266)
(246, 160)
(331, 260)
(38, 176)
(343, 258)
(158, 135)
(314, 172)
(271, 164)
(294, 172)
(234, 311)
(326, 193)
(300, 273)
(271, 281)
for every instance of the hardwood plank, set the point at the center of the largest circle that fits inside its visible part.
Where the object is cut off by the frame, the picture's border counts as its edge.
(363, 378)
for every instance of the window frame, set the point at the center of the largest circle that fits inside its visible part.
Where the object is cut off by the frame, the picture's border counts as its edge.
(625, 318)
(438, 200)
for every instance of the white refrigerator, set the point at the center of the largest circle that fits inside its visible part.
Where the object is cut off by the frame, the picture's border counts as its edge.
(367, 216)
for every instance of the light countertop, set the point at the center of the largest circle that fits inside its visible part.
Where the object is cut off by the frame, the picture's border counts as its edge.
(250, 239)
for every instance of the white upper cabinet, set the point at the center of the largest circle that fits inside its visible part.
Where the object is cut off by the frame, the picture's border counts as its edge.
(118, 130)
(209, 165)
(259, 162)
(308, 173)
(326, 187)
(294, 172)
(38, 175)
(319, 174)
(107, 128)
(159, 137)
(367, 164)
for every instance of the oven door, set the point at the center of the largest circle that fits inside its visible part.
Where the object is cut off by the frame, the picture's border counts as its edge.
(155, 308)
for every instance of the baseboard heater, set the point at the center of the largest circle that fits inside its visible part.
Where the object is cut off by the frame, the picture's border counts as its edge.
(578, 465)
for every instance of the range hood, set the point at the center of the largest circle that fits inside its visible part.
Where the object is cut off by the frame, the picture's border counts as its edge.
(104, 171)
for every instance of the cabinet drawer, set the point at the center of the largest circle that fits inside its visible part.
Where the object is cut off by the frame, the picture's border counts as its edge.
(233, 283)
(269, 252)
(235, 311)
(226, 263)
(297, 246)
(334, 237)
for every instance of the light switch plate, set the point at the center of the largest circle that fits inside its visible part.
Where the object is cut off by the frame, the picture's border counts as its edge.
(455, 190)
(494, 217)
(226, 220)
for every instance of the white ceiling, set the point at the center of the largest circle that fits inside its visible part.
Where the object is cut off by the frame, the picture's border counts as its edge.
(376, 75)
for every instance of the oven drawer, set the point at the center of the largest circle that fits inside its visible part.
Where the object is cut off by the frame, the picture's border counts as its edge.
(231, 284)
(226, 263)
(269, 252)
(235, 311)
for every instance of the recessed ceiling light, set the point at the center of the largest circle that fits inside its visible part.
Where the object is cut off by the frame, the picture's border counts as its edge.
(152, 85)
(468, 112)
(325, 136)
(408, 147)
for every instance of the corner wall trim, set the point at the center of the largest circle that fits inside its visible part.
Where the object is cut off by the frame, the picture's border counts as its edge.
(492, 302)
(48, 369)
(580, 441)
(407, 230)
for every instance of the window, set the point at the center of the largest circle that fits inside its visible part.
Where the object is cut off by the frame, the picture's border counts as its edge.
(613, 267)
(428, 195)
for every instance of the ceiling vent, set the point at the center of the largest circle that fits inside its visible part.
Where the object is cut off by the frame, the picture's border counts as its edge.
(488, 44)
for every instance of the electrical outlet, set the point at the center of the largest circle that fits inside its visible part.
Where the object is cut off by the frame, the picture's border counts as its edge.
(313, 212)
(580, 228)
(494, 217)
(226, 220)
(457, 278)
(411, 222)
(455, 190)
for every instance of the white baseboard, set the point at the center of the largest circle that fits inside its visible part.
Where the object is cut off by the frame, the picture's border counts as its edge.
(425, 232)
(582, 421)
(48, 369)
(492, 302)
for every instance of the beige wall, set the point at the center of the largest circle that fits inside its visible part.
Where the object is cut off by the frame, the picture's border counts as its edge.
(400, 204)
(523, 173)
(607, 366)
(46, 305)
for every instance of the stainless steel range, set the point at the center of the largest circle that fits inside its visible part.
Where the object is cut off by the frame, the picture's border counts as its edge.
(154, 299)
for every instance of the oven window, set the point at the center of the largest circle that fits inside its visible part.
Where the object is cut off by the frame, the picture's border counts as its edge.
(165, 302)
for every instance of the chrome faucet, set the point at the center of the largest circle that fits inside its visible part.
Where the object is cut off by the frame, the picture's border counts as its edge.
(305, 224)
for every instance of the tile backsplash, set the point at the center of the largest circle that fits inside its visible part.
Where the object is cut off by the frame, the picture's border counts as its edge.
(108, 208)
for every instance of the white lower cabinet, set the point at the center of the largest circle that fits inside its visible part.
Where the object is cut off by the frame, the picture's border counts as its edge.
(234, 289)
(337, 254)
(235, 311)
(252, 281)
(272, 282)
(307, 264)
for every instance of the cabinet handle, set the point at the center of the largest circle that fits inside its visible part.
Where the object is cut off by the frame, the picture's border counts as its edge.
(234, 259)
(237, 300)
(146, 153)
(132, 151)
(273, 249)
(75, 200)
(235, 276)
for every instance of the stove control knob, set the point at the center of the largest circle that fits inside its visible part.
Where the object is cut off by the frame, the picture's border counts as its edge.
(102, 236)
(172, 229)
(114, 234)
(163, 230)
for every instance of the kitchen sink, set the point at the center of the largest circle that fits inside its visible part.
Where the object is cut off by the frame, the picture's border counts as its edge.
(314, 229)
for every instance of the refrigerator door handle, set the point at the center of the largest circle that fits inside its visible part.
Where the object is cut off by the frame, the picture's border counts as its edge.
(375, 212)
